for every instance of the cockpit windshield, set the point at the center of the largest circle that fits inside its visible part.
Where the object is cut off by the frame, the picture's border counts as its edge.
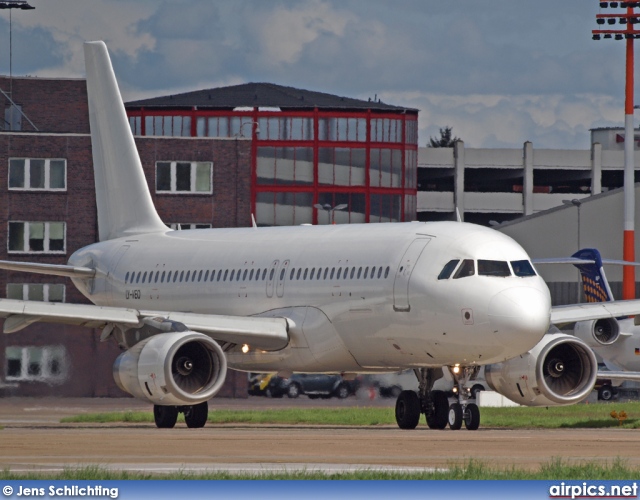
(467, 268)
(448, 269)
(497, 268)
(523, 268)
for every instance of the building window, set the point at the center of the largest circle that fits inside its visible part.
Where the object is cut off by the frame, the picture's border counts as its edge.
(285, 166)
(43, 292)
(179, 226)
(176, 126)
(184, 177)
(38, 173)
(41, 364)
(286, 128)
(37, 237)
(284, 209)
(342, 166)
(135, 122)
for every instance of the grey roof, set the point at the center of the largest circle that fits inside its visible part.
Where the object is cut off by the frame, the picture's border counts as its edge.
(262, 95)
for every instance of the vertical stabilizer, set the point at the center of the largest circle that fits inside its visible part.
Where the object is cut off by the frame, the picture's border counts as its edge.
(594, 282)
(122, 194)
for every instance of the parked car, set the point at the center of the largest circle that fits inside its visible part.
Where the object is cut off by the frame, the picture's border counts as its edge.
(312, 385)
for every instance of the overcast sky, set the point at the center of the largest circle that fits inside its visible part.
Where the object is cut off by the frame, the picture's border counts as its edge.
(500, 72)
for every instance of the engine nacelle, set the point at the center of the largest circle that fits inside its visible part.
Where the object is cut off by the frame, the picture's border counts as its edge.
(175, 368)
(559, 370)
(599, 332)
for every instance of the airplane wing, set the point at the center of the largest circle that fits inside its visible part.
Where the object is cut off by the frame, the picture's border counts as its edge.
(261, 333)
(621, 376)
(594, 310)
(52, 269)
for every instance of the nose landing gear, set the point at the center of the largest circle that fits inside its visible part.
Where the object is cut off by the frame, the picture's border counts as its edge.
(435, 404)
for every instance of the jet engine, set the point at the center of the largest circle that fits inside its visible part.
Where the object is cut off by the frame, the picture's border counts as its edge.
(599, 332)
(559, 370)
(174, 368)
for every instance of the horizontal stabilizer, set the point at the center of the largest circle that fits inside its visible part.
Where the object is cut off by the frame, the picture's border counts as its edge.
(53, 269)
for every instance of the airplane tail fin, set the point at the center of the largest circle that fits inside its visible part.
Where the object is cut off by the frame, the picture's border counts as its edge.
(123, 200)
(594, 282)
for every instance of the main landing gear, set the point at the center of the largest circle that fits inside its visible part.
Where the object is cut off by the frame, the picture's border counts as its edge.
(435, 404)
(194, 416)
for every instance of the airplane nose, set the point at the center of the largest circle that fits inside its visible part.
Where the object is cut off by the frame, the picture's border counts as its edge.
(520, 313)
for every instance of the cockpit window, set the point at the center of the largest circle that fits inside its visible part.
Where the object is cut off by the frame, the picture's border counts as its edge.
(523, 268)
(448, 268)
(497, 268)
(466, 269)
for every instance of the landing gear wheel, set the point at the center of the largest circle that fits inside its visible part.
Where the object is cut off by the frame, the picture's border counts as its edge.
(472, 417)
(475, 390)
(440, 415)
(455, 416)
(407, 410)
(605, 393)
(196, 416)
(165, 416)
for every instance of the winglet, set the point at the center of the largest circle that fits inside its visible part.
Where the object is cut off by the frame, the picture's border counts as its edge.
(122, 194)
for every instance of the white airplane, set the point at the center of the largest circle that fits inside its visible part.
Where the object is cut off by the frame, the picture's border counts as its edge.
(336, 299)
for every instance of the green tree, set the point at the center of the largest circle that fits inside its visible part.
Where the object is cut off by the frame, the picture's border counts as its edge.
(445, 140)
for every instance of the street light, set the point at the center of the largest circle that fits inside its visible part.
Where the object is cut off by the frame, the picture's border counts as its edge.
(628, 19)
(13, 4)
(576, 203)
(331, 211)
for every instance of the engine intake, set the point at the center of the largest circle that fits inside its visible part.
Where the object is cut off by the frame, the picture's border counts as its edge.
(559, 370)
(596, 333)
(175, 368)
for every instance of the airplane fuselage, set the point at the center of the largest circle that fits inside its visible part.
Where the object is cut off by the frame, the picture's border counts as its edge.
(360, 297)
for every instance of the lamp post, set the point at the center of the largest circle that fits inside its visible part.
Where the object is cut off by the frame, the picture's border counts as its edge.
(13, 4)
(331, 211)
(628, 19)
(576, 203)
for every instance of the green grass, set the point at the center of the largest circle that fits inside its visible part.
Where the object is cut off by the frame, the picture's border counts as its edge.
(555, 469)
(576, 416)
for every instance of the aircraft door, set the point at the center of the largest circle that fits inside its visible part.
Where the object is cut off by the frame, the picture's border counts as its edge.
(282, 277)
(271, 277)
(403, 274)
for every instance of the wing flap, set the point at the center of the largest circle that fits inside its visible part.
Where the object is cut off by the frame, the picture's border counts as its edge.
(594, 310)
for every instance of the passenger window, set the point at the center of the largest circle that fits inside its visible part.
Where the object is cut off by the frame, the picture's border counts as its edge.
(193, 276)
(326, 271)
(244, 275)
(448, 268)
(386, 272)
(273, 271)
(181, 276)
(523, 268)
(162, 277)
(206, 275)
(186, 278)
(200, 276)
(126, 278)
(366, 271)
(226, 273)
(282, 274)
(298, 275)
(144, 277)
(292, 273)
(496, 268)
(233, 273)
(339, 271)
(264, 274)
(466, 269)
(313, 270)
(346, 272)
(373, 272)
(175, 276)
(359, 272)
(239, 275)
(138, 277)
(353, 271)
(251, 275)
(379, 272)
(305, 274)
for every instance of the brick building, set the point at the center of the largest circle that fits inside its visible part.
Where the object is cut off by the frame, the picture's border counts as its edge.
(48, 203)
